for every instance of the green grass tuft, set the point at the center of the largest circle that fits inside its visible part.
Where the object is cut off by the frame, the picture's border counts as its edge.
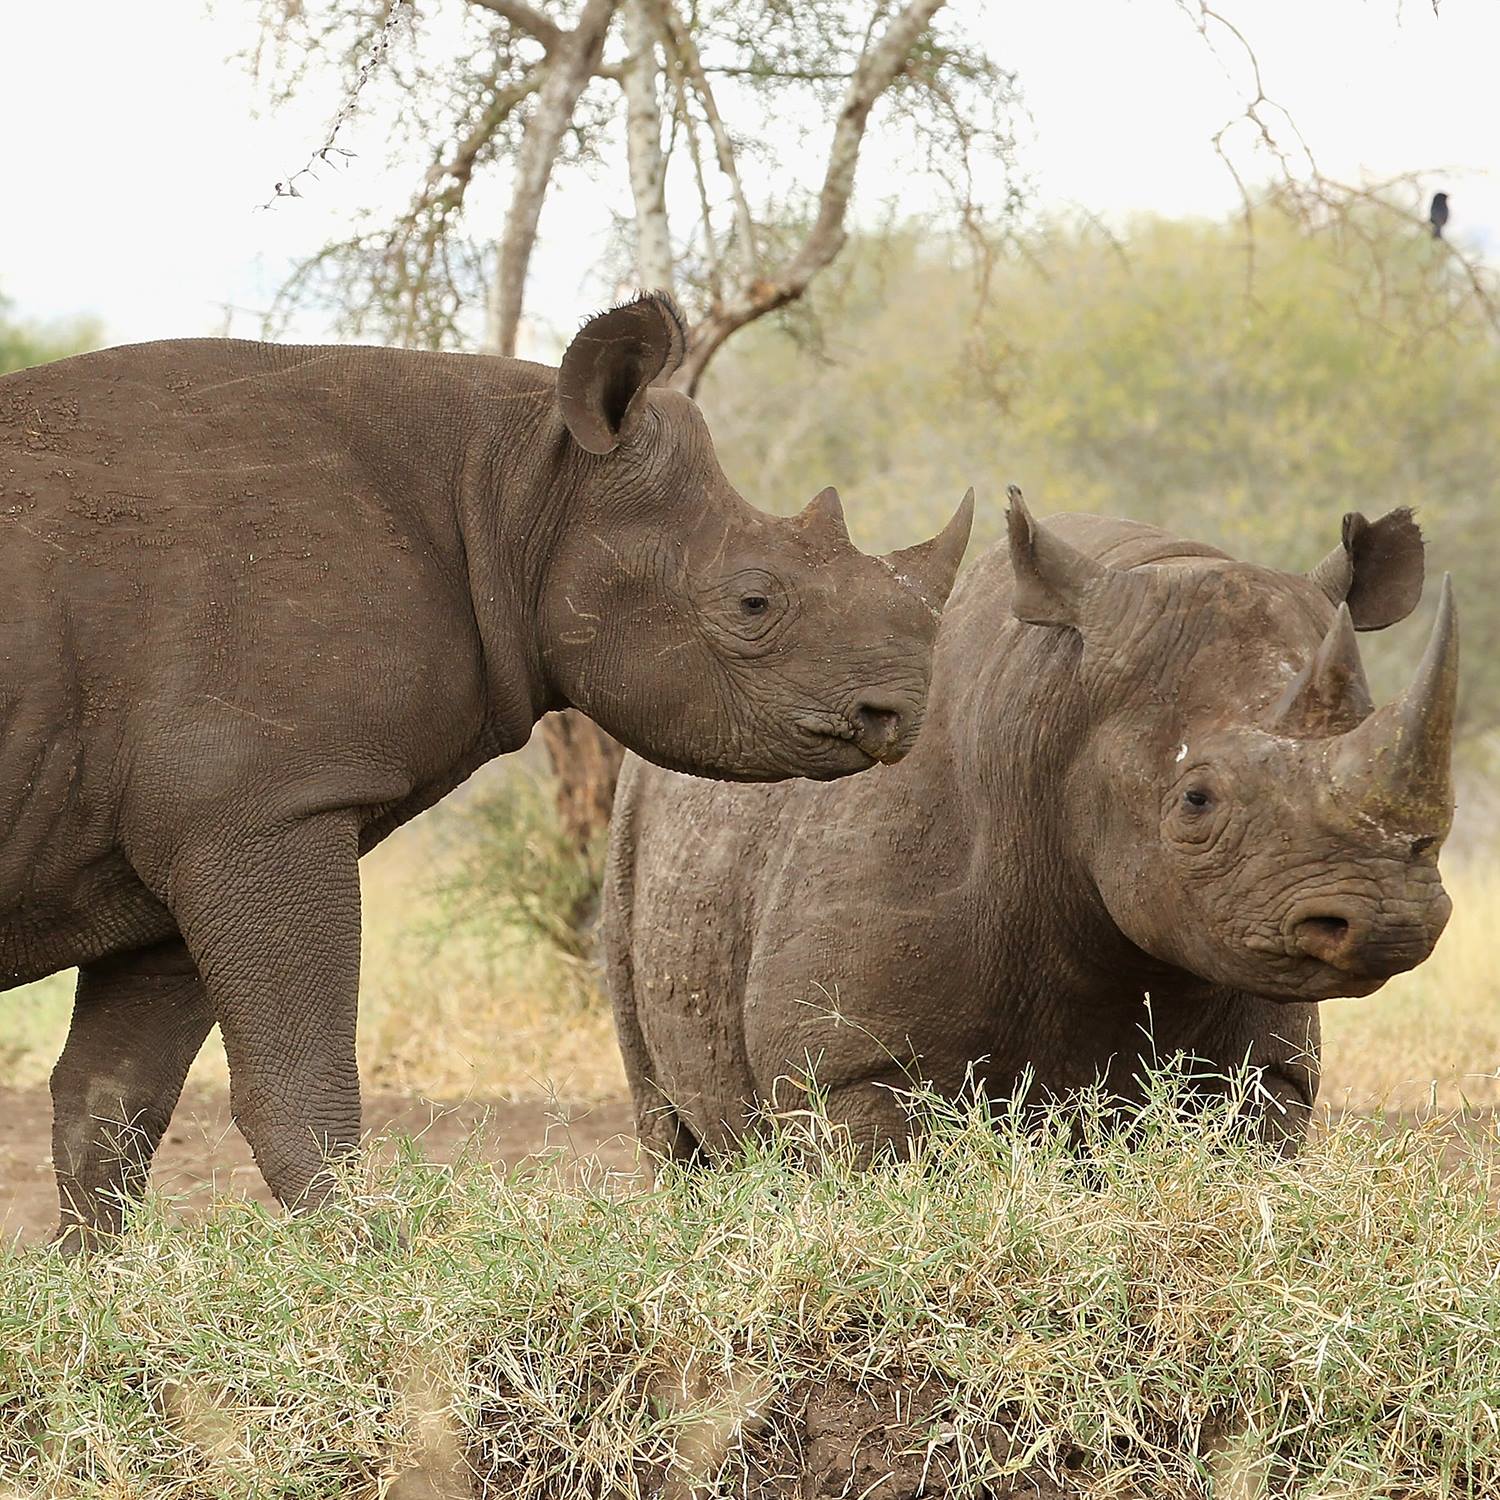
(1135, 1320)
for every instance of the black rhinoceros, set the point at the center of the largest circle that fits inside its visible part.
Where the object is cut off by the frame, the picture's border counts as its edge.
(265, 604)
(1148, 770)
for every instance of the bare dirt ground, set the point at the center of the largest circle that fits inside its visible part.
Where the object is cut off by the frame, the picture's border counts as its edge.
(204, 1154)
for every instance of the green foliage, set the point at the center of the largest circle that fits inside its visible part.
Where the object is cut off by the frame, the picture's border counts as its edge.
(23, 344)
(1027, 1297)
(519, 872)
(1166, 376)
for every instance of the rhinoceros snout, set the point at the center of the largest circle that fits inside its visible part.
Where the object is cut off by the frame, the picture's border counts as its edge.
(1369, 944)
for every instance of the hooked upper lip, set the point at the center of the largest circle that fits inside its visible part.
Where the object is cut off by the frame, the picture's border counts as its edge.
(879, 734)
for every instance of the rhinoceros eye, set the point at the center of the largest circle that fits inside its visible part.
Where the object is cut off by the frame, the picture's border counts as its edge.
(1196, 798)
(754, 604)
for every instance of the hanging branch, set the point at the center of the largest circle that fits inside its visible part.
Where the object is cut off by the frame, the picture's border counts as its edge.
(879, 64)
(330, 150)
(685, 54)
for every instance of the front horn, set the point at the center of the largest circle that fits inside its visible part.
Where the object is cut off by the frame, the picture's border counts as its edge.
(1398, 763)
(934, 563)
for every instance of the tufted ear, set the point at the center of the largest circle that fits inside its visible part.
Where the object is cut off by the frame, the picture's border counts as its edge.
(613, 360)
(1376, 570)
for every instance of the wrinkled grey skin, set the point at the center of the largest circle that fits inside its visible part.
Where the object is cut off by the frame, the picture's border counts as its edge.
(1147, 769)
(263, 605)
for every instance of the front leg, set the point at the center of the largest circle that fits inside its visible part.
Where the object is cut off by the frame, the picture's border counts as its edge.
(138, 1022)
(1228, 1029)
(272, 921)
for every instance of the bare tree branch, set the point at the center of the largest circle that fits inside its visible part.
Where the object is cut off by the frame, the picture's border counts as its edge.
(526, 18)
(1303, 189)
(878, 66)
(330, 151)
(686, 52)
(643, 148)
(458, 168)
(713, 260)
(570, 66)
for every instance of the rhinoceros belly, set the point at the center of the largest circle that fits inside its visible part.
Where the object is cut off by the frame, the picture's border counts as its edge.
(67, 894)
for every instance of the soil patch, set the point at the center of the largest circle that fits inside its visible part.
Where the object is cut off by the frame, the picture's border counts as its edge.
(203, 1154)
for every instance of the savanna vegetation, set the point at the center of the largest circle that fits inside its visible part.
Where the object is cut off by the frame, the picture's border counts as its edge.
(1176, 1318)
(1022, 1308)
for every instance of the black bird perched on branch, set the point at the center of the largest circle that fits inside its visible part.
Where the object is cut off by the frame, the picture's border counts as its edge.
(1437, 215)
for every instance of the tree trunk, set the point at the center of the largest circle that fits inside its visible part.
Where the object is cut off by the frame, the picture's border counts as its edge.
(586, 764)
(571, 63)
(586, 761)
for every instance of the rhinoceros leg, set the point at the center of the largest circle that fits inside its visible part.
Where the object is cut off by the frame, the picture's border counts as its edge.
(272, 920)
(138, 1022)
(662, 1132)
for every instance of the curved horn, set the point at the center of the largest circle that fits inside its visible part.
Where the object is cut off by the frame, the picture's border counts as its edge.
(935, 562)
(1330, 694)
(823, 518)
(1399, 761)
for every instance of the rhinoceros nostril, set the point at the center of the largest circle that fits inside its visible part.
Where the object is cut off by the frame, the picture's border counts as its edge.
(877, 729)
(1325, 937)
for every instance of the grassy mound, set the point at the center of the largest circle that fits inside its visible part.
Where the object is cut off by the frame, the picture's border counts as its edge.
(1176, 1317)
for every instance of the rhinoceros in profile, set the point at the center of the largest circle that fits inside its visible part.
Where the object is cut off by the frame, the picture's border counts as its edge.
(265, 604)
(1148, 770)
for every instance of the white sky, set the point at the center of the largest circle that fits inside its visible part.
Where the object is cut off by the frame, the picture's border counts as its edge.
(134, 161)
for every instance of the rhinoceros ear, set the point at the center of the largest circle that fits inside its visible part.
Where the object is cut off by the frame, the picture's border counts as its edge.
(1054, 581)
(613, 360)
(1376, 570)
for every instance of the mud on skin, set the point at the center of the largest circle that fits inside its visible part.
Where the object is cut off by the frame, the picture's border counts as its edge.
(267, 603)
(1148, 769)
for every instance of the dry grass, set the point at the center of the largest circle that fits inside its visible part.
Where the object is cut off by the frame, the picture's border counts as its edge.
(1430, 1038)
(1138, 1319)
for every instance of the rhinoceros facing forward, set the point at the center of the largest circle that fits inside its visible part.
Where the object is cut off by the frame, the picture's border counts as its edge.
(262, 605)
(1147, 770)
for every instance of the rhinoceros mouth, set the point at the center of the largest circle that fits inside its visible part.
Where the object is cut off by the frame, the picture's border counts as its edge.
(883, 738)
(826, 726)
(1289, 975)
(837, 741)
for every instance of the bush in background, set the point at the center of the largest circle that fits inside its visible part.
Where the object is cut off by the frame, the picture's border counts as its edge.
(1181, 374)
(518, 872)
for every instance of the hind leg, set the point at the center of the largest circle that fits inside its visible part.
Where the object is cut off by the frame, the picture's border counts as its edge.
(138, 1022)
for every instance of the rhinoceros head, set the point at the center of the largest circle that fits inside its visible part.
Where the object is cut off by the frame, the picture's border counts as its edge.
(709, 636)
(1245, 811)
